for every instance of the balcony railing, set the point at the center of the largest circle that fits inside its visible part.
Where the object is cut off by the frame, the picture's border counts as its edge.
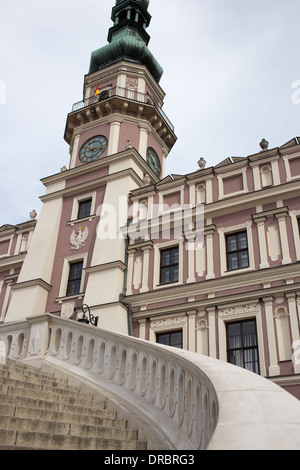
(192, 401)
(122, 93)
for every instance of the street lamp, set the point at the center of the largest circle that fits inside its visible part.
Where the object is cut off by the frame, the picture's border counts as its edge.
(90, 319)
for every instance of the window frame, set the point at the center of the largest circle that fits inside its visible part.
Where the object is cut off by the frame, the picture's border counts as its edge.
(65, 276)
(86, 213)
(75, 208)
(237, 252)
(243, 347)
(169, 266)
(222, 247)
(76, 280)
(170, 333)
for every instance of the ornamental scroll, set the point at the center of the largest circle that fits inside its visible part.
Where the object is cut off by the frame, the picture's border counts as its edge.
(239, 310)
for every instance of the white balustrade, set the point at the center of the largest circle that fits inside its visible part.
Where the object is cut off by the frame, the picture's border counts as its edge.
(192, 401)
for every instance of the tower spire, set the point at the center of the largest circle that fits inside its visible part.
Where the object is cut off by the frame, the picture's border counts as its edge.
(128, 38)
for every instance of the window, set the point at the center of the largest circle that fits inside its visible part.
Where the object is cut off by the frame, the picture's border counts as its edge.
(75, 275)
(84, 208)
(171, 338)
(242, 347)
(237, 251)
(169, 266)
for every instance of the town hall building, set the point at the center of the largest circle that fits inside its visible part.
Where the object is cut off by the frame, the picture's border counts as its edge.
(208, 261)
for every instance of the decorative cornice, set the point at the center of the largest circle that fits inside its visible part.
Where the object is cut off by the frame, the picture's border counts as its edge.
(98, 164)
(270, 213)
(218, 285)
(106, 267)
(92, 184)
(10, 262)
(32, 283)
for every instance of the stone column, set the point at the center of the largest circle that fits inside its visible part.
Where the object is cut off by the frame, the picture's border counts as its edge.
(190, 237)
(142, 323)
(212, 332)
(131, 253)
(113, 141)
(192, 330)
(209, 233)
(260, 222)
(143, 140)
(286, 259)
(145, 275)
(273, 368)
(294, 323)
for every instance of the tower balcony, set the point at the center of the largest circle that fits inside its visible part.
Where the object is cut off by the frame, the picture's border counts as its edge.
(122, 93)
(121, 100)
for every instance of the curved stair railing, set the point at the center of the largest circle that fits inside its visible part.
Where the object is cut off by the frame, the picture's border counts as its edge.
(191, 402)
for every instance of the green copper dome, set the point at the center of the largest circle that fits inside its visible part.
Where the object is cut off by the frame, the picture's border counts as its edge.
(128, 39)
(143, 2)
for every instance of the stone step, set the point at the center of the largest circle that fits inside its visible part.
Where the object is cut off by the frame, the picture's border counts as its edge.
(50, 394)
(12, 367)
(108, 418)
(65, 428)
(8, 386)
(39, 411)
(56, 405)
(46, 441)
(35, 379)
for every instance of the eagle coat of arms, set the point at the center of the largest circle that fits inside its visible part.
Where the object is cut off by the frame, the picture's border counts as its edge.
(78, 240)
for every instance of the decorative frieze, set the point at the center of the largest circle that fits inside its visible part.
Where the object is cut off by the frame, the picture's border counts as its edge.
(239, 310)
(168, 322)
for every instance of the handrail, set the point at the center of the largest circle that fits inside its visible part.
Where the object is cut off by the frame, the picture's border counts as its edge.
(194, 402)
(122, 93)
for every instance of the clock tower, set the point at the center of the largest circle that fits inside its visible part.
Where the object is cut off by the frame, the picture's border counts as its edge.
(119, 138)
(122, 102)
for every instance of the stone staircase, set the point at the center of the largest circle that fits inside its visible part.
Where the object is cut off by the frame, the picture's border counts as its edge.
(41, 412)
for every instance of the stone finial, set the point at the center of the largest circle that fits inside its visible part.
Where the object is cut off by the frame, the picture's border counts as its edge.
(264, 145)
(202, 163)
(147, 180)
(33, 214)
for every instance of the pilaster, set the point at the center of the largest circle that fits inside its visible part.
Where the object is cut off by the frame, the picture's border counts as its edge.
(286, 259)
(274, 367)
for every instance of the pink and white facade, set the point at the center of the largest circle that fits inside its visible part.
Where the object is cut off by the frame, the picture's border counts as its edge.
(207, 261)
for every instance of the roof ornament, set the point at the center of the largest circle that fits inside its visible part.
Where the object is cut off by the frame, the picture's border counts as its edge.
(33, 214)
(264, 145)
(202, 163)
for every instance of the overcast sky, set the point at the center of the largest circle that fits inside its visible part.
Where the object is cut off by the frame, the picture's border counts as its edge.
(229, 71)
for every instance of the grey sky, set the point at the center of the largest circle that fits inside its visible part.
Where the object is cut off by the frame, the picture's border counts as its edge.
(229, 67)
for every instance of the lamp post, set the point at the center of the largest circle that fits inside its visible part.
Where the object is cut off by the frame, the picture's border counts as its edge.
(90, 319)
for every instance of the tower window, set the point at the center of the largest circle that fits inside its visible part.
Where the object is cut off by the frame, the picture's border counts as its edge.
(75, 276)
(84, 209)
(242, 347)
(169, 265)
(237, 251)
(170, 338)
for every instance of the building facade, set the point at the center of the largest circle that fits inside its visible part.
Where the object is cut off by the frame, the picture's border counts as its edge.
(207, 261)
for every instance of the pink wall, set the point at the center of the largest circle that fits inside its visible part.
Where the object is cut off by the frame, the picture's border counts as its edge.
(63, 248)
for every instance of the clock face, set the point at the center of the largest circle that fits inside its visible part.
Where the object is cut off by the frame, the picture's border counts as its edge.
(153, 161)
(93, 149)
